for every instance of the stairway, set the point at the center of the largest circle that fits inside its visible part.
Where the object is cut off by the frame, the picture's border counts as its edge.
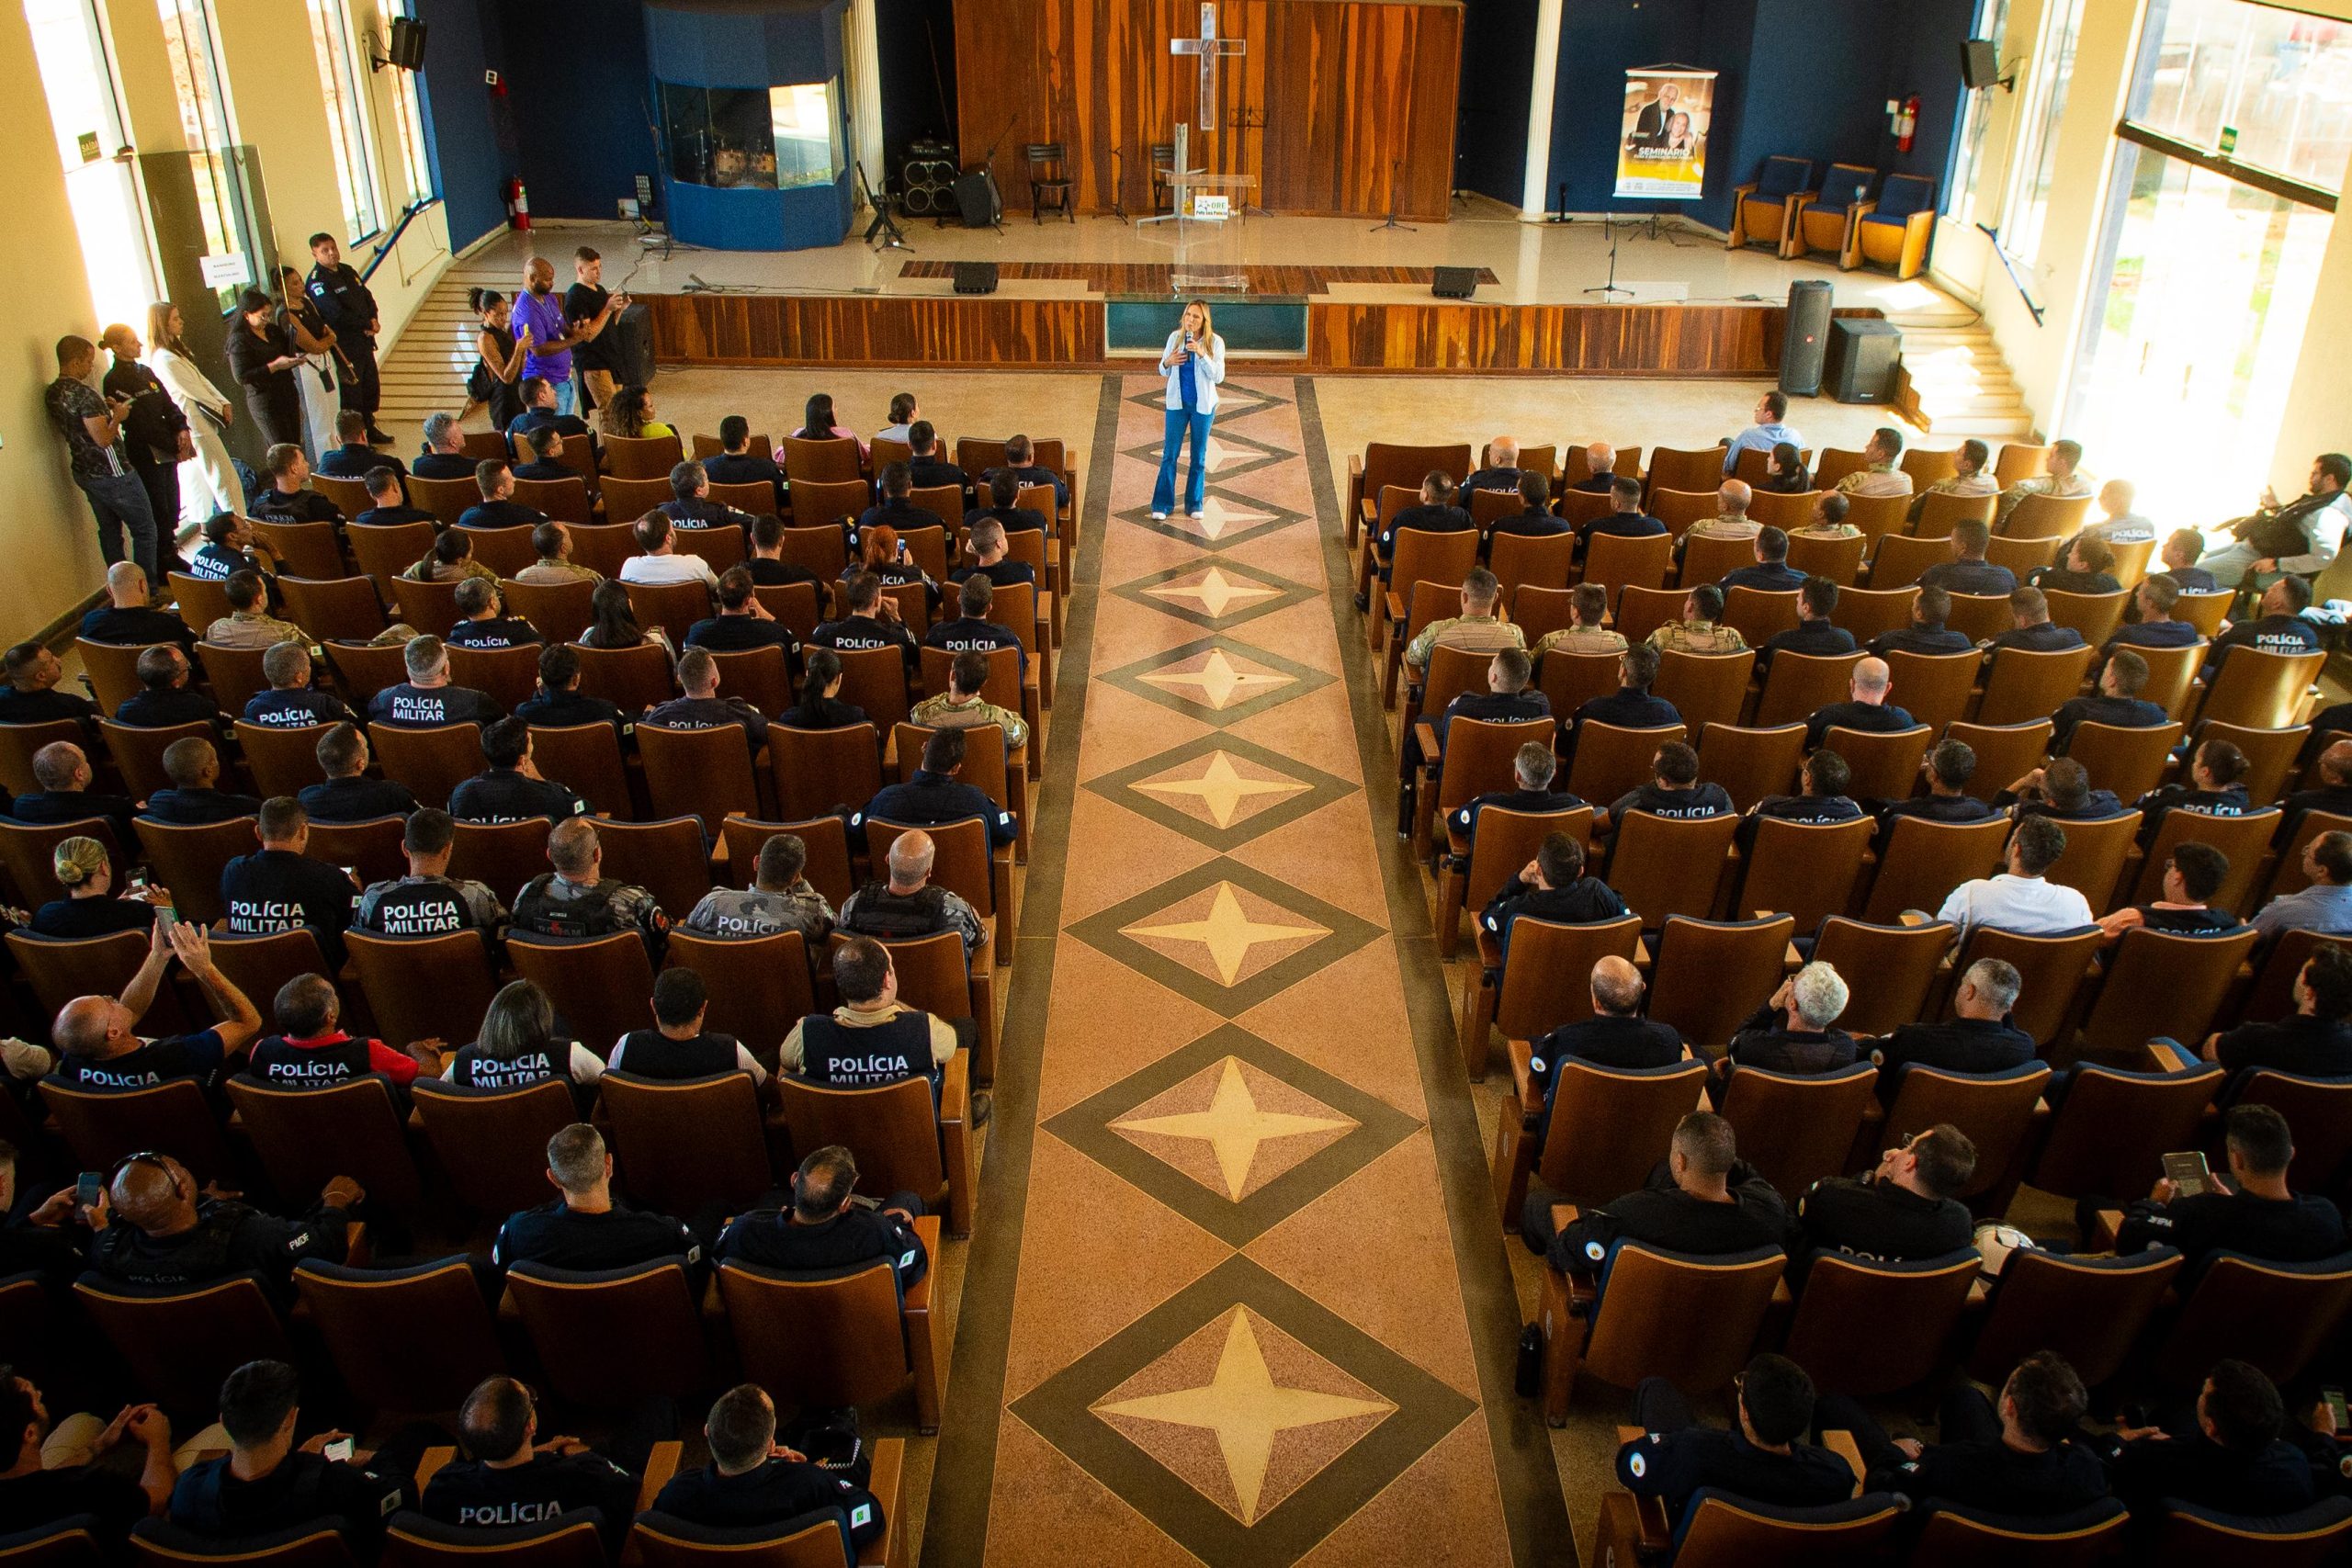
(1957, 383)
(426, 372)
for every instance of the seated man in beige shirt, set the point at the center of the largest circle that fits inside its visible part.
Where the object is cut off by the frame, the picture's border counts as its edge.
(555, 566)
(1970, 476)
(1829, 520)
(1587, 607)
(2062, 477)
(1730, 520)
(249, 625)
(1881, 477)
(1478, 629)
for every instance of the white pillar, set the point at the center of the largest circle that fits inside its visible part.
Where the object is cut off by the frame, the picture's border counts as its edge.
(862, 71)
(1533, 200)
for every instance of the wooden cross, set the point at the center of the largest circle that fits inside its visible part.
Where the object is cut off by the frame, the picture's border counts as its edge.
(1209, 47)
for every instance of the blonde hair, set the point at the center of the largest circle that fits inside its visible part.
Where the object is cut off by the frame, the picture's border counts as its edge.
(78, 861)
(1208, 322)
(159, 333)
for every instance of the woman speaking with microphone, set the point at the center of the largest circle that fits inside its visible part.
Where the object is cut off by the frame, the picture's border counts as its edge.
(1194, 365)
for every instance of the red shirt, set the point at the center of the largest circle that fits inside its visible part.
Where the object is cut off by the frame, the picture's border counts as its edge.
(397, 1066)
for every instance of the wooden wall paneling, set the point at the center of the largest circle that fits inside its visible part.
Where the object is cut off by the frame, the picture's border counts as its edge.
(775, 330)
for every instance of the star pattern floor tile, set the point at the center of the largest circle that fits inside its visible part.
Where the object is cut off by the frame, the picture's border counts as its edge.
(1224, 934)
(1230, 516)
(1220, 790)
(1218, 680)
(1217, 595)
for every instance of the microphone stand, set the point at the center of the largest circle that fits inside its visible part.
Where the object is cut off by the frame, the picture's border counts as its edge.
(1610, 288)
(1118, 185)
(1395, 167)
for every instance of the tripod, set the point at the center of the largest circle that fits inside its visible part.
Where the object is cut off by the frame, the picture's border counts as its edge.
(893, 238)
(1390, 221)
(1606, 290)
(1118, 185)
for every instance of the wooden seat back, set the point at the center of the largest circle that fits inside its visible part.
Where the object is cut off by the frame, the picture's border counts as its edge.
(2046, 516)
(306, 1137)
(1689, 1319)
(823, 1341)
(423, 987)
(113, 668)
(2095, 615)
(824, 840)
(1615, 561)
(703, 774)
(1751, 763)
(1568, 680)
(492, 1141)
(558, 611)
(1608, 1125)
(188, 860)
(759, 986)
(1796, 1128)
(1524, 559)
(2052, 970)
(587, 758)
(1869, 613)
(563, 500)
(667, 857)
(430, 607)
(2096, 853)
(2111, 1131)
(1995, 1109)
(2088, 1310)
(1945, 510)
(2274, 1316)
(416, 1339)
(1933, 688)
(1901, 961)
(893, 1129)
(680, 1144)
(819, 770)
(875, 679)
(1880, 764)
(832, 459)
(1808, 872)
(2129, 763)
(1705, 688)
(1641, 610)
(2022, 686)
(1800, 683)
(446, 499)
(644, 456)
(2259, 690)
(1865, 1328)
(511, 675)
(302, 549)
(1899, 559)
(1547, 979)
(599, 985)
(1712, 974)
(432, 761)
(2243, 839)
(575, 1319)
(1611, 760)
(371, 848)
(673, 607)
(1663, 866)
(1924, 861)
(631, 679)
(172, 1116)
(18, 742)
(2163, 983)
(178, 1347)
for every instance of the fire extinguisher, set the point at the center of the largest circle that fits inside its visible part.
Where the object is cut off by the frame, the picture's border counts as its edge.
(518, 204)
(1906, 124)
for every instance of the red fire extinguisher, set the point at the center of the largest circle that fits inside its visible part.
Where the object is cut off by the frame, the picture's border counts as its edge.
(1906, 124)
(518, 204)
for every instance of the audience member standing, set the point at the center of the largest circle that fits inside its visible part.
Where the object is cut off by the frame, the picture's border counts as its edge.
(155, 433)
(209, 480)
(91, 426)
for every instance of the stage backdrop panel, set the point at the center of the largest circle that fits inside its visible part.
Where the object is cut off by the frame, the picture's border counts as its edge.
(1338, 107)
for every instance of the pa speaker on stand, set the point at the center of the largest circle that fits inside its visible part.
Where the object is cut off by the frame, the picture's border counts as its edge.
(1805, 338)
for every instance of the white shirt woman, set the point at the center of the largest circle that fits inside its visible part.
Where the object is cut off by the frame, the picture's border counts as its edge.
(207, 480)
(1193, 366)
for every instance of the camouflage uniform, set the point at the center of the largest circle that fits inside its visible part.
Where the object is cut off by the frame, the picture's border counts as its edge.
(551, 905)
(1879, 478)
(938, 713)
(1473, 633)
(748, 912)
(2072, 487)
(1697, 637)
(1581, 639)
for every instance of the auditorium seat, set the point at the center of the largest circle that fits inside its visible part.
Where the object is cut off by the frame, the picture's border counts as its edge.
(1479, 758)
(669, 607)
(1692, 1321)
(423, 987)
(682, 1145)
(306, 1137)
(2005, 752)
(2262, 690)
(101, 1126)
(2126, 762)
(60, 970)
(198, 601)
(1764, 210)
(1679, 507)
(1608, 1125)
(1712, 974)
(113, 668)
(563, 500)
(1568, 680)
(2045, 517)
(2172, 675)
(501, 856)
(875, 680)
(1388, 463)
(2110, 1133)
(703, 774)
(1869, 613)
(1506, 842)
(302, 549)
(562, 1541)
(574, 1319)
(1759, 615)
(236, 674)
(2274, 1316)
(1548, 982)
(430, 607)
(138, 752)
(2269, 754)
(1898, 231)
(175, 1347)
(964, 864)
(1614, 561)
(1798, 1128)
(1662, 866)
(1924, 861)
(905, 1140)
(1867, 1326)
(2089, 1310)
(1720, 1530)
(1898, 964)
(18, 742)
(384, 550)
(317, 1543)
(824, 838)
(761, 676)
(2193, 1537)
(414, 1339)
(602, 547)
(1706, 559)
(1897, 559)
(1751, 763)
(1413, 604)
(640, 458)
(1953, 1536)
(1840, 560)
(587, 757)
(491, 1142)
(668, 858)
(631, 679)
(599, 985)
(2243, 839)
(837, 1338)
(2021, 685)
(371, 849)
(1806, 871)
(432, 761)
(2162, 983)
(1998, 1112)
(1641, 610)
(2096, 852)
(2094, 615)
(1944, 510)
(511, 675)
(1880, 764)
(832, 458)
(1521, 559)
(799, 606)
(2052, 967)
(759, 987)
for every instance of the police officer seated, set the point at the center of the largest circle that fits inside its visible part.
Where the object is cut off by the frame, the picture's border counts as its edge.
(1978, 1039)
(909, 904)
(677, 1046)
(1762, 1459)
(2215, 788)
(1553, 886)
(2228, 1452)
(1674, 791)
(702, 707)
(1968, 571)
(986, 544)
(227, 551)
(2062, 790)
(388, 497)
(737, 464)
(279, 887)
(2019, 1457)
(483, 620)
(929, 468)
(1534, 519)
(155, 1228)
(539, 395)
(165, 697)
(507, 1475)
(743, 622)
(2280, 628)
(1866, 707)
(1771, 572)
(518, 1045)
(1533, 769)
(2031, 627)
(285, 499)
(1500, 473)
(872, 1038)
(1505, 699)
(559, 702)
(1702, 1199)
(972, 631)
(577, 899)
(97, 1050)
(1820, 800)
(31, 696)
(193, 764)
(1004, 491)
(690, 505)
(1926, 633)
(828, 1225)
(128, 617)
(962, 706)
(63, 771)
(84, 869)
(428, 901)
(347, 794)
(753, 1481)
(1812, 635)
(585, 1230)
(1948, 767)
(427, 698)
(512, 788)
(2252, 1210)
(354, 457)
(51, 1474)
(1631, 706)
(1434, 514)
(1907, 1209)
(872, 622)
(267, 1483)
(935, 797)
(290, 703)
(1021, 462)
(1626, 520)
(895, 509)
(2315, 1040)
(1794, 1032)
(2332, 793)
(545, 463)
(1614, 1036)
(309, 1051)
(1700, 629)
(780, 898)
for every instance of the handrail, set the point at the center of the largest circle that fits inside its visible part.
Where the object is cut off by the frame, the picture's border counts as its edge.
(384, 247)
(2010, 267)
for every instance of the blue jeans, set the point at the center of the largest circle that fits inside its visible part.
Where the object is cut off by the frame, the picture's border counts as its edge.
(567, 395)
(1182, 424)
(119, 501)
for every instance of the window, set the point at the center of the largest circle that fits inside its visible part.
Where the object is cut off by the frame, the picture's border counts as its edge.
(2277, 83)
(1977, 113)
(2037, 167)
(86, 114)
(2210, 286)
(355, 162)
(215, 164)
(408, 119)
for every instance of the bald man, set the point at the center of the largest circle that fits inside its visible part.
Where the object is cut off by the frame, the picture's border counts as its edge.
(1615, 1036)
(63, 771)
(909, 904)
(94, 1035)
(157, 1227)
(128, 617)
(1501, 471)
(1730, 520)
(2332, 795)
(1867, 708)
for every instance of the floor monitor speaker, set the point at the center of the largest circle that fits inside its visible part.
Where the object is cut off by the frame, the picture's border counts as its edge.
(1804, 339)
(1454, 282)
(975, 278)
(1862, 355)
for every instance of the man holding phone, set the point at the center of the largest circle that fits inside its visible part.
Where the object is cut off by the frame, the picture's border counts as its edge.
(91, 427)
(98, 1050)
(589, 310)
(2253, 1210)
(267, 1483)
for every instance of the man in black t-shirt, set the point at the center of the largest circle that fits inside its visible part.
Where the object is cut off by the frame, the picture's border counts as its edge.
(585, 1230)
(1702, 1200)
(2251, 1211)
(1553, 886)
(588, 312)
(280, 887)
(96, 1047)
(678, 1046)
(427, 698)
(752, 1480)
(2227, 1452)
(267, 1483)
(702, 707)
(128, 617)
(36, 1492)
(737, 464)
(743, 622)
(1674, 791)
(513, 789)
(156, 1228)
(63, 771)
(1761, 1459)
(483, 621)
(767, 566)
(2019, 1457)
(31, 696)
(1615, 1036)
(388, 496)
(1794, 1033)
(2315, 1040)
(872, 622)
(506, 1477)
(828, 1226)
(347, 794)
(558, 704)
(1948, 767)
(1906, 1210)
(1866, 709)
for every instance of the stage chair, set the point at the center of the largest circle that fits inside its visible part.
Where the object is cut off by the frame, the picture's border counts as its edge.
(305, 1137)
(1897, 231)
(1826, 222)
(2004, 752)
(2191, 1537)
(642, 457)
(1550, 984)
(2023, 686)
(1692, 1320)
(1663, 868)
(875, 679)
(1899, 559)
(1608, 1125)
(1999, 1112)
(414, 1339)
(2162, 983)
(599, 984)
(1957, 1536)
(2096, 854)
(965, 865)
(1616, 561)
(446, 499)
(2111, 1131)
(1712, 974)
(1808, 872)
(703, 774)
(1678, 509)
(1868, 1328)
(1868, 612)
(1751, 763)
(190, 860)
(370, 847)
(491, 1142)
(2095, 615)
(1705, 688)
(563, 500)
(1924, 861)
(759, 986)
(1900, 964)
(1389, 463)
(1494, 861)
(1479, 759)
(837, 1338)
(1944, 510)
(2130, 763)
(173, 1117)
(1840, 560)
(1883, 765)
(428, 987)
(573, 1321)
(432, 761)
(2046, 517)
(2088, 1308)
(2274, 1315)
(681, 1145)
(1797, 1128)
(1764, 210)
(430, 607)
(2262, 690)
(819, 770)
(1609, 761)
(905, 1142)
(2051, 971)
(177, 1347)
(302, 549)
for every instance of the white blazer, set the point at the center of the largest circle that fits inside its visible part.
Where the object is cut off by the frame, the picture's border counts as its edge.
(1211, 358)
(189, 387)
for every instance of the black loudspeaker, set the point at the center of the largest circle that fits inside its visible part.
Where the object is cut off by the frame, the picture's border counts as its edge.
(1861, 360)
(1805, 338)
(1454, 282)
(631, 336)
(977, 201)
(405, 48)
(1979, 63)
(976, 277)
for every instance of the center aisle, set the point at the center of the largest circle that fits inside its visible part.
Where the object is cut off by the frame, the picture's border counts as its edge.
(1235, 1294)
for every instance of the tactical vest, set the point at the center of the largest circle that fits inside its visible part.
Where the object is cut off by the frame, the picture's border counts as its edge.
(887, 915)
(834, 1054)
(475, 1070)
(203, 1255)
(588, 912)
(283, 1065)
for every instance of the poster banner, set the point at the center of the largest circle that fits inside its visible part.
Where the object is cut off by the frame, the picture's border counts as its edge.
(1662, 143)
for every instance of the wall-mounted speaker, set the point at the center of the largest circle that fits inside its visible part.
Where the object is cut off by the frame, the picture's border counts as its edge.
(405, 48)
(975, 278)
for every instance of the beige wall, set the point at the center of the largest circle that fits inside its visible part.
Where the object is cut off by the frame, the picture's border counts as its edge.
(45, 531)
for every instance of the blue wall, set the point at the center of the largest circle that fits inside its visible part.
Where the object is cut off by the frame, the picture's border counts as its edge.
(579, 91)
(1497, 70)
(462, 136)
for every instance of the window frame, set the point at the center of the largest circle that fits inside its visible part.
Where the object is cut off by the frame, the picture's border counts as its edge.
(351, 134)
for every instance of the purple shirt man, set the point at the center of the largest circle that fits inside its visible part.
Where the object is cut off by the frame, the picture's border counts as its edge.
(543, 313)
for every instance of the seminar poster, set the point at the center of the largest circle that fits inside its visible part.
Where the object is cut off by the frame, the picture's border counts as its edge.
(1662, 144)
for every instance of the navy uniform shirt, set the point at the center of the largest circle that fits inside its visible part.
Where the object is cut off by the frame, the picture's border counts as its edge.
(1675, 1466)
(2096, 807)
(1531, 523)
(1876, 718)
(217, 563)
(505, 795)
(1032, 474)
(501, 514)
(2230, 800)
(560, 1236)
(295, 709)
(2302, 1228)
(2153, 633)
(2147, 1472)
(50, 807)
(701, 512)
(971, 634)
(431, 465)
(1621, 525)
(563, 710)
(40, 1498)
(851, 633)
(1771, 577)
(147, 1064)
(494, 631)
(777, 1491)
(356, 800)
(342, 299)
(568, 425)
(1921, 637)
(44, 706)
(2305, 1047)
(136, 626)
(473, 1494)
(1627, 1044)
(2043, 637)
(931, 471)
(1970, 577)
(276, 890)
(1500, 707)
(1766, 1041)
(1999, 1478)
(2271, 633)
(770, 1238)
(1464, 819)
(744, 469)
(1817, 639)
(709, 713)
(296, 506)
(407, 707)
(932, 800)
(350, 462)
(1006, 573)
(163, 710)
(771, 574)
(1486, 479)
(71, 919)
(210, 1499)
(199, 808)
(739, 634)
(1014, 518)
(229, 1237)
(387, 516)
(1867, 1218)
(1586, 901)
(2122, 713)
(1955, 1045)
(1807, 810)
(1628, 708)
(1694, 803)
(1663, 1215)
(1426, 520)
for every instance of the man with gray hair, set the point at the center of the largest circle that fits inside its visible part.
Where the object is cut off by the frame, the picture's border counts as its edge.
(779, 899)
(584, 1229)
(427, 698)
(910, 904)
(690, 505)
(1793, 1033)
(1979, 1039)
(577, 899)
(443, 456)
(1532, 770)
